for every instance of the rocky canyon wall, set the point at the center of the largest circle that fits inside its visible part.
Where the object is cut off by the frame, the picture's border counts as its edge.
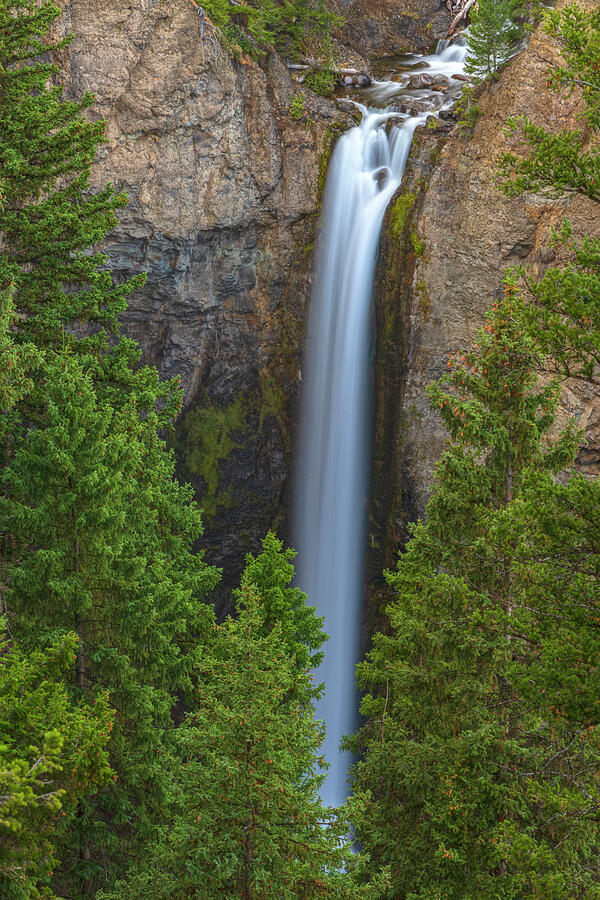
(450, 234)
(223, 188)
(383, 27)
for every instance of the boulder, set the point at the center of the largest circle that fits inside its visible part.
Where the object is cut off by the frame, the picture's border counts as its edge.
(420, 81)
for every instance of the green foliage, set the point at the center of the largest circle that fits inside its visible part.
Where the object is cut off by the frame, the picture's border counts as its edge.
(471, 740)
(52, 752)
(272, 573)
(297, 106)
(482, 700)
(288, 26)
(16, 362)
(467, 111)
(559, 164)
(248, 822)
(322, 81)
(562, 163)
(494, 35)
(96, 532)
(577, 30)
(100, 545)
(48, 218)
(564, 305)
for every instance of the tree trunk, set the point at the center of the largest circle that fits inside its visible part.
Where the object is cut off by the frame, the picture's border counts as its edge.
(462, 14)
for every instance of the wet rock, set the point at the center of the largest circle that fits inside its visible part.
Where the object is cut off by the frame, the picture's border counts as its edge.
(440, 88)
(381, 176)
(412, 106)
(458, 76)
(362, 80)
(448, 114)
(348, 80)
(395, 122)
(420, 81)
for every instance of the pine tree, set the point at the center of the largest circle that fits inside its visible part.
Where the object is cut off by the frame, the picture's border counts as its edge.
(97, 532)
(469, 763)
(559, 551)
(48, 217)
(52, 752)
(564, 305)
(284, 604)
(482, 749)
(566, 162)
(15, 361)
(494, 34)
(248, 822)
(101, 540)
(51, 222)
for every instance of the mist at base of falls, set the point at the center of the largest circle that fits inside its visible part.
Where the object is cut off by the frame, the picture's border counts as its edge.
(365, 172)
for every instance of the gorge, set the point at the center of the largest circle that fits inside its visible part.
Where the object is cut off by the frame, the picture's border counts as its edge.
(223, 189)
(300, 446)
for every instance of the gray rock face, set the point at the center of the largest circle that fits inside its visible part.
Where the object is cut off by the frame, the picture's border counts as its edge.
(468, 233)
(223, 187)
(384, 27)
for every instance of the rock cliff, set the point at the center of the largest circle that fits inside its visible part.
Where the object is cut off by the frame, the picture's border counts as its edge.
(224, 185)
(223, 188)
(466, 232)
(384, 27)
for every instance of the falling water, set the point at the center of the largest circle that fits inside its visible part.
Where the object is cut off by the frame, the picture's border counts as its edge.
(365, 171)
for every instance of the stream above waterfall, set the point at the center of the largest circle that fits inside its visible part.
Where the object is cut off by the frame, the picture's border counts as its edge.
(365, 171)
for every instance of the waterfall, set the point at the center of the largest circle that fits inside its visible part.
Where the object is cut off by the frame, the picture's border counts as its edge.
(365, 171)
(333, 454)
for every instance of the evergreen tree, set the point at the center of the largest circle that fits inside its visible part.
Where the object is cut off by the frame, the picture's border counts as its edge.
(48, 217)
(15, 361)
(282, 603)
(566, 162)
(497, 27)
(97, 533)
(564, 305)
(482, 748)
(52, 752)
(101, 540)
(471, 765)
(248, 822)
(50, 220)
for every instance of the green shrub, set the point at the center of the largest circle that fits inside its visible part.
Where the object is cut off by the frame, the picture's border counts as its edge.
(297, 107)
(321, 81)
(468, 112)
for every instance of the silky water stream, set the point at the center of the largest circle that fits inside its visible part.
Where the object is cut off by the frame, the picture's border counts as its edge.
(365, 171)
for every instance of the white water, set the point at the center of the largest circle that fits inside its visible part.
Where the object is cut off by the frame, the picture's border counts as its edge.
(365, 171)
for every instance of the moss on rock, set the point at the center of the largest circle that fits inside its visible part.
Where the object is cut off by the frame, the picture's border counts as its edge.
(398, 214)
(210, 433)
